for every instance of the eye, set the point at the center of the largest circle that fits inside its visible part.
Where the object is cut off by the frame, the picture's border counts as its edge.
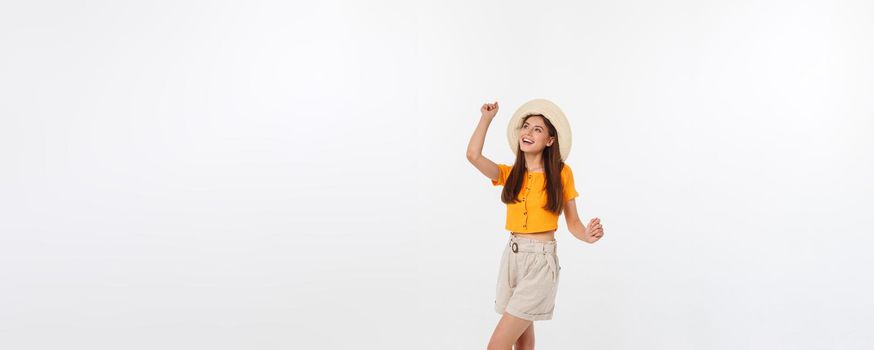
(538, 130)
(525, 126)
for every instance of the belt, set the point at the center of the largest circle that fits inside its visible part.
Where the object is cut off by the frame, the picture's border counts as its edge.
(529, 247)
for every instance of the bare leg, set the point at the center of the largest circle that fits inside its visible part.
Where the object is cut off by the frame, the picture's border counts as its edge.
(509, 329)
(526, 340)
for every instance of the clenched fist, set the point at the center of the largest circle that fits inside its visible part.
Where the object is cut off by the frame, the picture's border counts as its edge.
(489, 110)
(594, 231)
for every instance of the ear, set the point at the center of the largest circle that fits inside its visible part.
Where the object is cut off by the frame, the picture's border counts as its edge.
(551, 140)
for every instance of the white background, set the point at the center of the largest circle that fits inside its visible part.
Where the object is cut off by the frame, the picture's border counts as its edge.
(274, 175)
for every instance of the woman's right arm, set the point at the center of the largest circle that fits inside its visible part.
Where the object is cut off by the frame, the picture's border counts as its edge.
(475, 147)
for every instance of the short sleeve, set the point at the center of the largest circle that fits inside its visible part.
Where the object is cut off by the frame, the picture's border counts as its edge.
(567, 180)
(502, 177)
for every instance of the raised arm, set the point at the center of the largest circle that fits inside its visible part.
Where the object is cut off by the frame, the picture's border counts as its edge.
(475, 146)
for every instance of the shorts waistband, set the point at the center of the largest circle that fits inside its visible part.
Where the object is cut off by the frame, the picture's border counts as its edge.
(531, 245)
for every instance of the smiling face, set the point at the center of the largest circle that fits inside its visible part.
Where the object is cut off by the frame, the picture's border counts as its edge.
(534, 135)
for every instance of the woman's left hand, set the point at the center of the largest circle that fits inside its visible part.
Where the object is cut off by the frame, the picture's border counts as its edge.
(594, 231)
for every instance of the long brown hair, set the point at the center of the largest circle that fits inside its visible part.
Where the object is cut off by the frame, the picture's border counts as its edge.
(552, 166)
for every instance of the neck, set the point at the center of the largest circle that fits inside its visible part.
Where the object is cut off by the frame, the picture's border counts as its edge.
(534, 161)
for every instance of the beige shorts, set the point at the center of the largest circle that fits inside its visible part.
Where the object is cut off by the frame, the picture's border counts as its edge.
(528, 279)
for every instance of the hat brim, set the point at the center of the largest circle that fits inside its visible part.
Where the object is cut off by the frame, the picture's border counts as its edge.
(550, 111)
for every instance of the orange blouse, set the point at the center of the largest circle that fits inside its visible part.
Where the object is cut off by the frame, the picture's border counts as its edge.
(528, 215)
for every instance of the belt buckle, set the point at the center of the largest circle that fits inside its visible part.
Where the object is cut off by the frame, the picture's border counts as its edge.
(515, 247)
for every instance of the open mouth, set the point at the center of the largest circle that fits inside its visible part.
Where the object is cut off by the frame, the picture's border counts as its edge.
(528, 141)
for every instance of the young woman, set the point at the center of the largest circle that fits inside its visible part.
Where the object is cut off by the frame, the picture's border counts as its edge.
(537, 188)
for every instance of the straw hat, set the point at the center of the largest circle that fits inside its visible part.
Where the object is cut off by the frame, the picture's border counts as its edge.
(550, 111)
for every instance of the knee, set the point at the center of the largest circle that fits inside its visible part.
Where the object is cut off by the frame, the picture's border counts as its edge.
(524, 345)
(525, 342)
